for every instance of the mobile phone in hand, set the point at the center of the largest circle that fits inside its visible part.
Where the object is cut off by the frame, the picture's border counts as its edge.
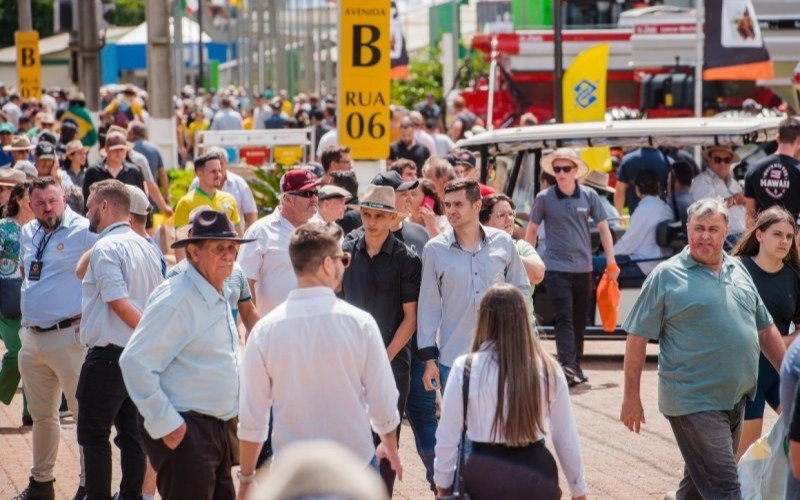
(428, 202)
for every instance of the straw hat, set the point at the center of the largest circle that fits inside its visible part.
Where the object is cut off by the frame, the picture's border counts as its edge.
(564, 154)
(11, 177)
(707, 153)
(74, 146)
(19, 143)
(598, 180)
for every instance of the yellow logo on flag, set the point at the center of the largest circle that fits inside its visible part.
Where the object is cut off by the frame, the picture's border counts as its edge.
(584, 96)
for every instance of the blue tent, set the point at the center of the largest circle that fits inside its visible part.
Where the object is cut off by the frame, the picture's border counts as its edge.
(130, 52)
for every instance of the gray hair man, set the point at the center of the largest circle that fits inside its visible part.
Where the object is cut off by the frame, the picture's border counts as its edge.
(186, 324)
(706, 313)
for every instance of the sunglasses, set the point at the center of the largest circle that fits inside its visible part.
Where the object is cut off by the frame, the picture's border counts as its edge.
(304, 194)
(720, 159)
(562, 170)
(344, 257)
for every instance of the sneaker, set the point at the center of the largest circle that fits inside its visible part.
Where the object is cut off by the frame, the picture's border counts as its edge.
(581, 377)
(27, 421)
(80, 494)
(37, 491)
(572, 376)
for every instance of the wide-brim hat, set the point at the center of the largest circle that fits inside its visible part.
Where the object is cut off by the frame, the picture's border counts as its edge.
(597, 180)
(377, 198)
(564, 154)
(19, 143)
(75, 146)
(11, 177)
(211, 225)
(707, 153)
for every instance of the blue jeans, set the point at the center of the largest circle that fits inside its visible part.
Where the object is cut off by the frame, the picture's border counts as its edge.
(421, 413)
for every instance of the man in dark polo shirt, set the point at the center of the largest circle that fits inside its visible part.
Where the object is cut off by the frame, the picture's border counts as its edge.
(775, 180)
(408, 148)
(567, 207)
(114, 166)
(383, 279)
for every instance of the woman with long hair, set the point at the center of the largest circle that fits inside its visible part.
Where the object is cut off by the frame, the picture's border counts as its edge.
(517, 392)
(769, 252)
(17, 214)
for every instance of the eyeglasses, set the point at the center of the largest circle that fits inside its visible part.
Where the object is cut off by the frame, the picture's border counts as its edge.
(344, 257)
(720, 159)
(304, 194)
(562, 170)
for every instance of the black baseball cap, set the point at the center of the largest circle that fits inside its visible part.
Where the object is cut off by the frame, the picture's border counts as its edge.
(44, 151)
(462, 157)
(394, 181)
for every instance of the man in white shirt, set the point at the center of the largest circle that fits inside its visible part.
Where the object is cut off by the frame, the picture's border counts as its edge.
(266, 262)
(319, 363)
(123, 270)
(717, 182)
(639, 241)
(226, 118)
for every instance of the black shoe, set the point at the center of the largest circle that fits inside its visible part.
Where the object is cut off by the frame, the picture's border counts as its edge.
(572, 376)
(37, 491)
(80, 494)
(27, 421)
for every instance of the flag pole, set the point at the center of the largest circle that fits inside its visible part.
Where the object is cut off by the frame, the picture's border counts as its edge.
(558, 76)
(699, 59)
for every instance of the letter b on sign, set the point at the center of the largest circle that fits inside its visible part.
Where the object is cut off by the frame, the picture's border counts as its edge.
(28, 57)
(364, 38)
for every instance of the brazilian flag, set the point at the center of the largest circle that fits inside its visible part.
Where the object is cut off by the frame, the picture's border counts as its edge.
(86, 131)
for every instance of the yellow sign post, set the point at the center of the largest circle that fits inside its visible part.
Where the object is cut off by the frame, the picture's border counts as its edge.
(29, 66)
(364, 85)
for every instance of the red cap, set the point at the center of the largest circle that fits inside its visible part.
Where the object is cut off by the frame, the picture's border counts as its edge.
(486, 190)
(299, 179)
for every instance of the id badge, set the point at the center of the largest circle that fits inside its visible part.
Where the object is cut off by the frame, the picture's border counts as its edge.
(35, 272)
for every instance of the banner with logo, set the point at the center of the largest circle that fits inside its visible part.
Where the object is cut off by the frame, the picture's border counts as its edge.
(584, 96)
(734, 47)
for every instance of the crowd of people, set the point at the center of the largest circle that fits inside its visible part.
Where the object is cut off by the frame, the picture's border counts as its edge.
(409, 297)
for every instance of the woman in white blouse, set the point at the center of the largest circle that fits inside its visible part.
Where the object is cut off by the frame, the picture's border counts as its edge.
(508, 458)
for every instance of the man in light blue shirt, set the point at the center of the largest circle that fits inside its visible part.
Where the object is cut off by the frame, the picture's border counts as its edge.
(51, 356)
(123, 270)
(181, 367)
(226, 118)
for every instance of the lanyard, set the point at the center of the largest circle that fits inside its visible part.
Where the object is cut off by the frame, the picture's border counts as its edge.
(40, 248)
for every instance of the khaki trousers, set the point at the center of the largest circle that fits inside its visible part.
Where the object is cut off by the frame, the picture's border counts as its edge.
(50, 363)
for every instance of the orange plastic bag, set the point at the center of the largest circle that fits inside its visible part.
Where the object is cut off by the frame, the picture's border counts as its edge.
(608, 302)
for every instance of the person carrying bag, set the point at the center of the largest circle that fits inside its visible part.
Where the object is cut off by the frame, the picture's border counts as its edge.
(518, 395)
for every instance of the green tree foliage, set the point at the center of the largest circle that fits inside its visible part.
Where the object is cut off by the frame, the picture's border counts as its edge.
(127, 13)
(266, 187)
(42, 19)
(179, 182)
(425, 75)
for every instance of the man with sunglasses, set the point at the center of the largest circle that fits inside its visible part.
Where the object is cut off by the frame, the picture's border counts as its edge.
(717, 181)
(383, 279)
(567, 207)
(319, 363)
(775, 180)
(266, 262)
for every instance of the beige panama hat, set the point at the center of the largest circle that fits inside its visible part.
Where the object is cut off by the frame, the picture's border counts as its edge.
(564, 154)
(598, 180)
(19, 143)
(378, 198)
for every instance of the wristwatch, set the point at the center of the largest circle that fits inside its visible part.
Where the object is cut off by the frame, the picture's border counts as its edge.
(245, 478)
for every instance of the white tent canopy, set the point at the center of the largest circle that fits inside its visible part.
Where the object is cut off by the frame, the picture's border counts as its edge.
(189, 30)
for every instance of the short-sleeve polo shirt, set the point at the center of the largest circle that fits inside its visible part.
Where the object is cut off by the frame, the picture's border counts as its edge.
(707, 328)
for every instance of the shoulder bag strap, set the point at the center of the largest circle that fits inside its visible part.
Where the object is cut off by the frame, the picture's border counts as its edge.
(457, 483)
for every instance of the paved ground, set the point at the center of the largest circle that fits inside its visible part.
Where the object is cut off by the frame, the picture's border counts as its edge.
(619, 464)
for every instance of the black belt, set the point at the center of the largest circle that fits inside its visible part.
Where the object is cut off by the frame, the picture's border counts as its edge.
(58, 326)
